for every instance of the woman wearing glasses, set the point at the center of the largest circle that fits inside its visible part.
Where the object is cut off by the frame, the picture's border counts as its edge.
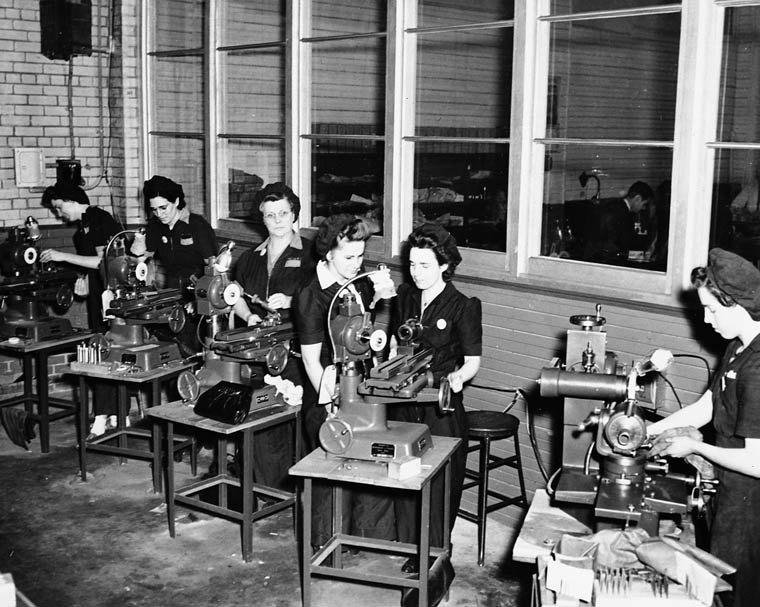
(269, 276)
(182, 241)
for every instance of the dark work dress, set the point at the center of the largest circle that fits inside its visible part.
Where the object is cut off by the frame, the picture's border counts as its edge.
(95, 229)
(181, 251)
(372, 513)
(452, 327)
(273, 447)
(735, 529)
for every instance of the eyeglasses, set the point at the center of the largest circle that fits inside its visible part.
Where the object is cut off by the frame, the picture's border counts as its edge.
(278, 215)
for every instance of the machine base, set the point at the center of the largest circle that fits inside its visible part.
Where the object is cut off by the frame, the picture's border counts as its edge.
(400, 439)
(147, 356)
(40, 329)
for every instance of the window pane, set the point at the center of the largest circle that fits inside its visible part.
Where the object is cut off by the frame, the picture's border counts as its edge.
(736, 207)
(250, 166)
(626, 94)
(340, 17)
(348, 81)
(739, 114)
(183, 160)
(252, 21)
(584, 217)
(569, 7)
(177, 94)
(179, 24)
(440, 13)
(348, 178)
(254, 92)
(464, 83)
(463, 186)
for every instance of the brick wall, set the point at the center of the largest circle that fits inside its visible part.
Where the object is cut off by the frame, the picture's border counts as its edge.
(104, 117)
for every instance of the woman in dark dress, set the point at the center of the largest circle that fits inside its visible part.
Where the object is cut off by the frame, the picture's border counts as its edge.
(729, 290)
(271, 273)
(182, 241)
(452, 329)
(340, 246)
(95, 227)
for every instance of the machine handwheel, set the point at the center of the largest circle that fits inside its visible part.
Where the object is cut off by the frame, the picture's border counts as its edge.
(335, 436)
(276, 359)
(102, 344)
(444, 396)
(177, 319)
(188, 386)
(64, 296)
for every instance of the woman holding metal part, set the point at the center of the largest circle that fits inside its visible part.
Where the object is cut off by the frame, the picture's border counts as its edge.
(340, 246)
(452, 329)
(269, 276)
(729, 290)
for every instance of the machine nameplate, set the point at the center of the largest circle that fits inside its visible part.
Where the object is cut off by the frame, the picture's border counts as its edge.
(383, 450)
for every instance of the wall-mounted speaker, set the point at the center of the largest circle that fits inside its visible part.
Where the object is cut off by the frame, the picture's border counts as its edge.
(65, 28)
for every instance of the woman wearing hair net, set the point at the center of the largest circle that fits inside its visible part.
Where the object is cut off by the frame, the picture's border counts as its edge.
(729, 290)
(452, 329)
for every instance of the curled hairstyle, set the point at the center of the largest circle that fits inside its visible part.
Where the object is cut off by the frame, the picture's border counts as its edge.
(337, 228)
(444, 245)
(700, 278)
(59, 192)
(277, 191)
(164, 187)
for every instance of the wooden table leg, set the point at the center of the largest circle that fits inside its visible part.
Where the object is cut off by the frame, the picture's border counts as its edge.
(424, 547)
(84, 414)
(122, 410)
(169, 477)
(43, 410)
(306, 543)
(155, 437)
(246, 483)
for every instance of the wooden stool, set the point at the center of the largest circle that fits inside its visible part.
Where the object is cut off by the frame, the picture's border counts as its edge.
(484, 427)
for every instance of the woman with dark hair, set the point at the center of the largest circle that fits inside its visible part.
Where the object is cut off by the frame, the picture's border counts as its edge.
(729, 290)
(182, 241)
(340, 246)
(271, 273)
(452, 329)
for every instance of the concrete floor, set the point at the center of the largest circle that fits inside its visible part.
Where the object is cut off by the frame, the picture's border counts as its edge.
(105, 543)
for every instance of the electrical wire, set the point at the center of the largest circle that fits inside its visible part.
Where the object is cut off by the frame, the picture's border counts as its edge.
(673, 390)
(703, 359)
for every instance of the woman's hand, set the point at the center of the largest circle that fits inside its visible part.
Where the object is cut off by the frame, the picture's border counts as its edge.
(456, 381)
(677, 442)
(51, 255)
(253, 319)
(279, 301)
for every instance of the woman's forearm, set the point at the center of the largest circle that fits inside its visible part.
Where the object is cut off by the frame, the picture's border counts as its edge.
(310, 354)
(697, 414)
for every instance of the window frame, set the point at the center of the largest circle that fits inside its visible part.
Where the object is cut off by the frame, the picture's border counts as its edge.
(694, 145)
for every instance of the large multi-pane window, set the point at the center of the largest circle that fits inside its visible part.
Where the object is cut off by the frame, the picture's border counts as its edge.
(517, 125)
(178, 97)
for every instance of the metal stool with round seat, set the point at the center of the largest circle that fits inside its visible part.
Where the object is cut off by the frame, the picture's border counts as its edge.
(486, 427)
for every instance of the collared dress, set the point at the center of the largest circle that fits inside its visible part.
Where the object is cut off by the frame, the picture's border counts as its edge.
(95, 229)
(371, 510)
(257, 276)
(452, 328)
(735, 528)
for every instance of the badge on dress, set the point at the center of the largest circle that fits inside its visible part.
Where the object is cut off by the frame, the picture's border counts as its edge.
(165, 240)
(186, 241)
(441, 324)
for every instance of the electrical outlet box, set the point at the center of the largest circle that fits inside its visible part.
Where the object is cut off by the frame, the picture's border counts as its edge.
(30, 167)
(651, 390)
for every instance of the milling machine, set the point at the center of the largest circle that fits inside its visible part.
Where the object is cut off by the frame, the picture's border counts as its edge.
(132, 304)
(360, 428)
(229, 354)
(605, 461)
(28, 287)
